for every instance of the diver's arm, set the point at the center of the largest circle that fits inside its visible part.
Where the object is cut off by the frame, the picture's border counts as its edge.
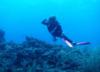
(45, 21)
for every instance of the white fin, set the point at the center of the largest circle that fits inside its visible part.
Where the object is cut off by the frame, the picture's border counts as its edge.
(68, 43)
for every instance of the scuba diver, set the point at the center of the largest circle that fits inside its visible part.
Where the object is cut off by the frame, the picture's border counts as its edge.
(56, 31)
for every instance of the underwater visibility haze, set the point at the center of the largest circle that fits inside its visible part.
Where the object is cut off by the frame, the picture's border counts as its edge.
(78, 18)
(80, 21)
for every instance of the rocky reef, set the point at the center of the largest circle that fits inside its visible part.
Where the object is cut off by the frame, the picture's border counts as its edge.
(34, 55)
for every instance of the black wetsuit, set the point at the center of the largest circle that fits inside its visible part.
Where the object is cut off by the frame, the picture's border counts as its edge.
(55, 29)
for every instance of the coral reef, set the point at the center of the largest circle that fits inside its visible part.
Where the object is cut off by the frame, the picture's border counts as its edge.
(34, 55)
(2, 39)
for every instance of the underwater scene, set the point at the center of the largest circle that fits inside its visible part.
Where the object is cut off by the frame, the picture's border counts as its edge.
(49, 35)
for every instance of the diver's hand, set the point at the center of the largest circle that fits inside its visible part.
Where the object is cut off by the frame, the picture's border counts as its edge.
(44, 21)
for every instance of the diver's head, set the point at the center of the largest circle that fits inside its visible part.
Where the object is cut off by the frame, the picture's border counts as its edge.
(52, 18)
(48, 21)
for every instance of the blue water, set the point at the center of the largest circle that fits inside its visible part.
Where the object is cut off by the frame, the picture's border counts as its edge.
(80, 19)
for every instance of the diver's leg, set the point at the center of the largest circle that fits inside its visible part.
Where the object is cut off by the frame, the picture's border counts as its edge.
(67, 41)
(66, 38)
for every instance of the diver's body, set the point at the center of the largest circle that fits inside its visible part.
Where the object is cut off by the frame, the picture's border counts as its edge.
(55, 29)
